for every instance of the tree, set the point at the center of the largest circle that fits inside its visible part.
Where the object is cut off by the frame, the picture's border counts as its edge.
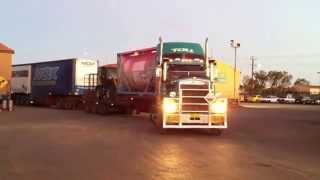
(249, 85)
(279, 79)
(257, 84)
(301, 81)
(261, 79)
(279, 82)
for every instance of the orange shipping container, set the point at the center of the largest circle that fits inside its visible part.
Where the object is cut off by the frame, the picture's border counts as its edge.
(5, 68)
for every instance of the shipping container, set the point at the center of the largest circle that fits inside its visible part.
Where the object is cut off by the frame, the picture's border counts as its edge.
(137, 71)
(52, 82)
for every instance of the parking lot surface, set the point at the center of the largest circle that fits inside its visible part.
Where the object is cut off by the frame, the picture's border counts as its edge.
(264, 141)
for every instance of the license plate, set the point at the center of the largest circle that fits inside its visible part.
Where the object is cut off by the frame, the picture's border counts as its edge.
(195, 116)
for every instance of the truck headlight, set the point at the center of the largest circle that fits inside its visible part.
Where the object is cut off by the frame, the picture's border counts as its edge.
(219, 106)
(170, 105)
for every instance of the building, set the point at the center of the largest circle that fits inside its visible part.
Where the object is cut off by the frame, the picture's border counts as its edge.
(306, 89)
(5, 69)
(225, 83)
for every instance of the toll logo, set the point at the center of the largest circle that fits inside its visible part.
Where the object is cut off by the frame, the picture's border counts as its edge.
(182, 50)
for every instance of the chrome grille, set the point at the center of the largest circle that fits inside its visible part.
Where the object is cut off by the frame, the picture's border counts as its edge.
(192, 98)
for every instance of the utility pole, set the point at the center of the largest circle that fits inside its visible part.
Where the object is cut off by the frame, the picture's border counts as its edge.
(234, 45)
(252, 58)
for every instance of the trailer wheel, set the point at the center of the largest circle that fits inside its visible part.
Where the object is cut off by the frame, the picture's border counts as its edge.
(17, 100)
(59, 103)
(129, 111)
(87, 108)
(67, 105)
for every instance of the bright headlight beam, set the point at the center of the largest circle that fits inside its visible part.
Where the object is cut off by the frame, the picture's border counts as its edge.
(218, 107)
(170, 106)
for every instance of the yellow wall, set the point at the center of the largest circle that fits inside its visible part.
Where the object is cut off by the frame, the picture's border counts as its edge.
(225, 83)
(5, 69)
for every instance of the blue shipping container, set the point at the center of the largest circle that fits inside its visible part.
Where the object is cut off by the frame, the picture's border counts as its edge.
(52, 78)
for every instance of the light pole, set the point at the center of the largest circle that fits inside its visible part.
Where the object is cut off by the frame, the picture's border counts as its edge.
(319, 76)
(234, 45)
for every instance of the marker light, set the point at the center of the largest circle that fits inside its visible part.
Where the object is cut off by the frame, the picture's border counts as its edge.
(169, 105)
(172, 94)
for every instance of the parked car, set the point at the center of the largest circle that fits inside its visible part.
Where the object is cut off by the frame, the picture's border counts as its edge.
(308, 100)
(287, 99)
(317, 101)
(269, 99)
(298, 100)
(255, 98)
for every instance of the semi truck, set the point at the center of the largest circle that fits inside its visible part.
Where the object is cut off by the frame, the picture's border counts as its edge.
(174, 82)
(57, 83)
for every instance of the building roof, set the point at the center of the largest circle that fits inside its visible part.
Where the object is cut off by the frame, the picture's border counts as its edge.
(5, 49)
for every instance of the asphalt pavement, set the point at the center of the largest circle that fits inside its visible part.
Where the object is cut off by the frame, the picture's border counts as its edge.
(263, 141)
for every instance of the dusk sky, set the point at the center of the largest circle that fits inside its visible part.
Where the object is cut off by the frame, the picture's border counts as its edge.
(282, 34)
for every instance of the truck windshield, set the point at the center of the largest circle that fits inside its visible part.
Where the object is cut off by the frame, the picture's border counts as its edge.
(176, 72)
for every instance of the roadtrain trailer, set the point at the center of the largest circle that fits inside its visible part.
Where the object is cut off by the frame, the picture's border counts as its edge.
(57, 83)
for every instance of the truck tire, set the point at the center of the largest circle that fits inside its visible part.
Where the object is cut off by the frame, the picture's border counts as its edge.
(102, 109)
(157, 120)
(151, 117)
(216, 132)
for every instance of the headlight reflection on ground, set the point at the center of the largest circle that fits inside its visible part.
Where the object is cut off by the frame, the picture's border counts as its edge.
(172, 161)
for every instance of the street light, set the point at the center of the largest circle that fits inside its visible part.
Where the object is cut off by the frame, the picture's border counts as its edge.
(234, 45)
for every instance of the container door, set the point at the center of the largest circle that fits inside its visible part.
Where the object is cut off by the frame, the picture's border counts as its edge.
(21, 79)
(84, 67)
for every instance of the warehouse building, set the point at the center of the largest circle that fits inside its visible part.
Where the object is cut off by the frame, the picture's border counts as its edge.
(225, 82)
(306, 89)
(5, 69)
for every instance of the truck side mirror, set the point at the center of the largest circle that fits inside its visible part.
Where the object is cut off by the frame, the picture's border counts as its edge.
(211, 68)
(164, 70)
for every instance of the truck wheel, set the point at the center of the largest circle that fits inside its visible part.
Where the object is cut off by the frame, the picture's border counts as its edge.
(157, 120)
(151, 117)
(216, 132)
(102, 109)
